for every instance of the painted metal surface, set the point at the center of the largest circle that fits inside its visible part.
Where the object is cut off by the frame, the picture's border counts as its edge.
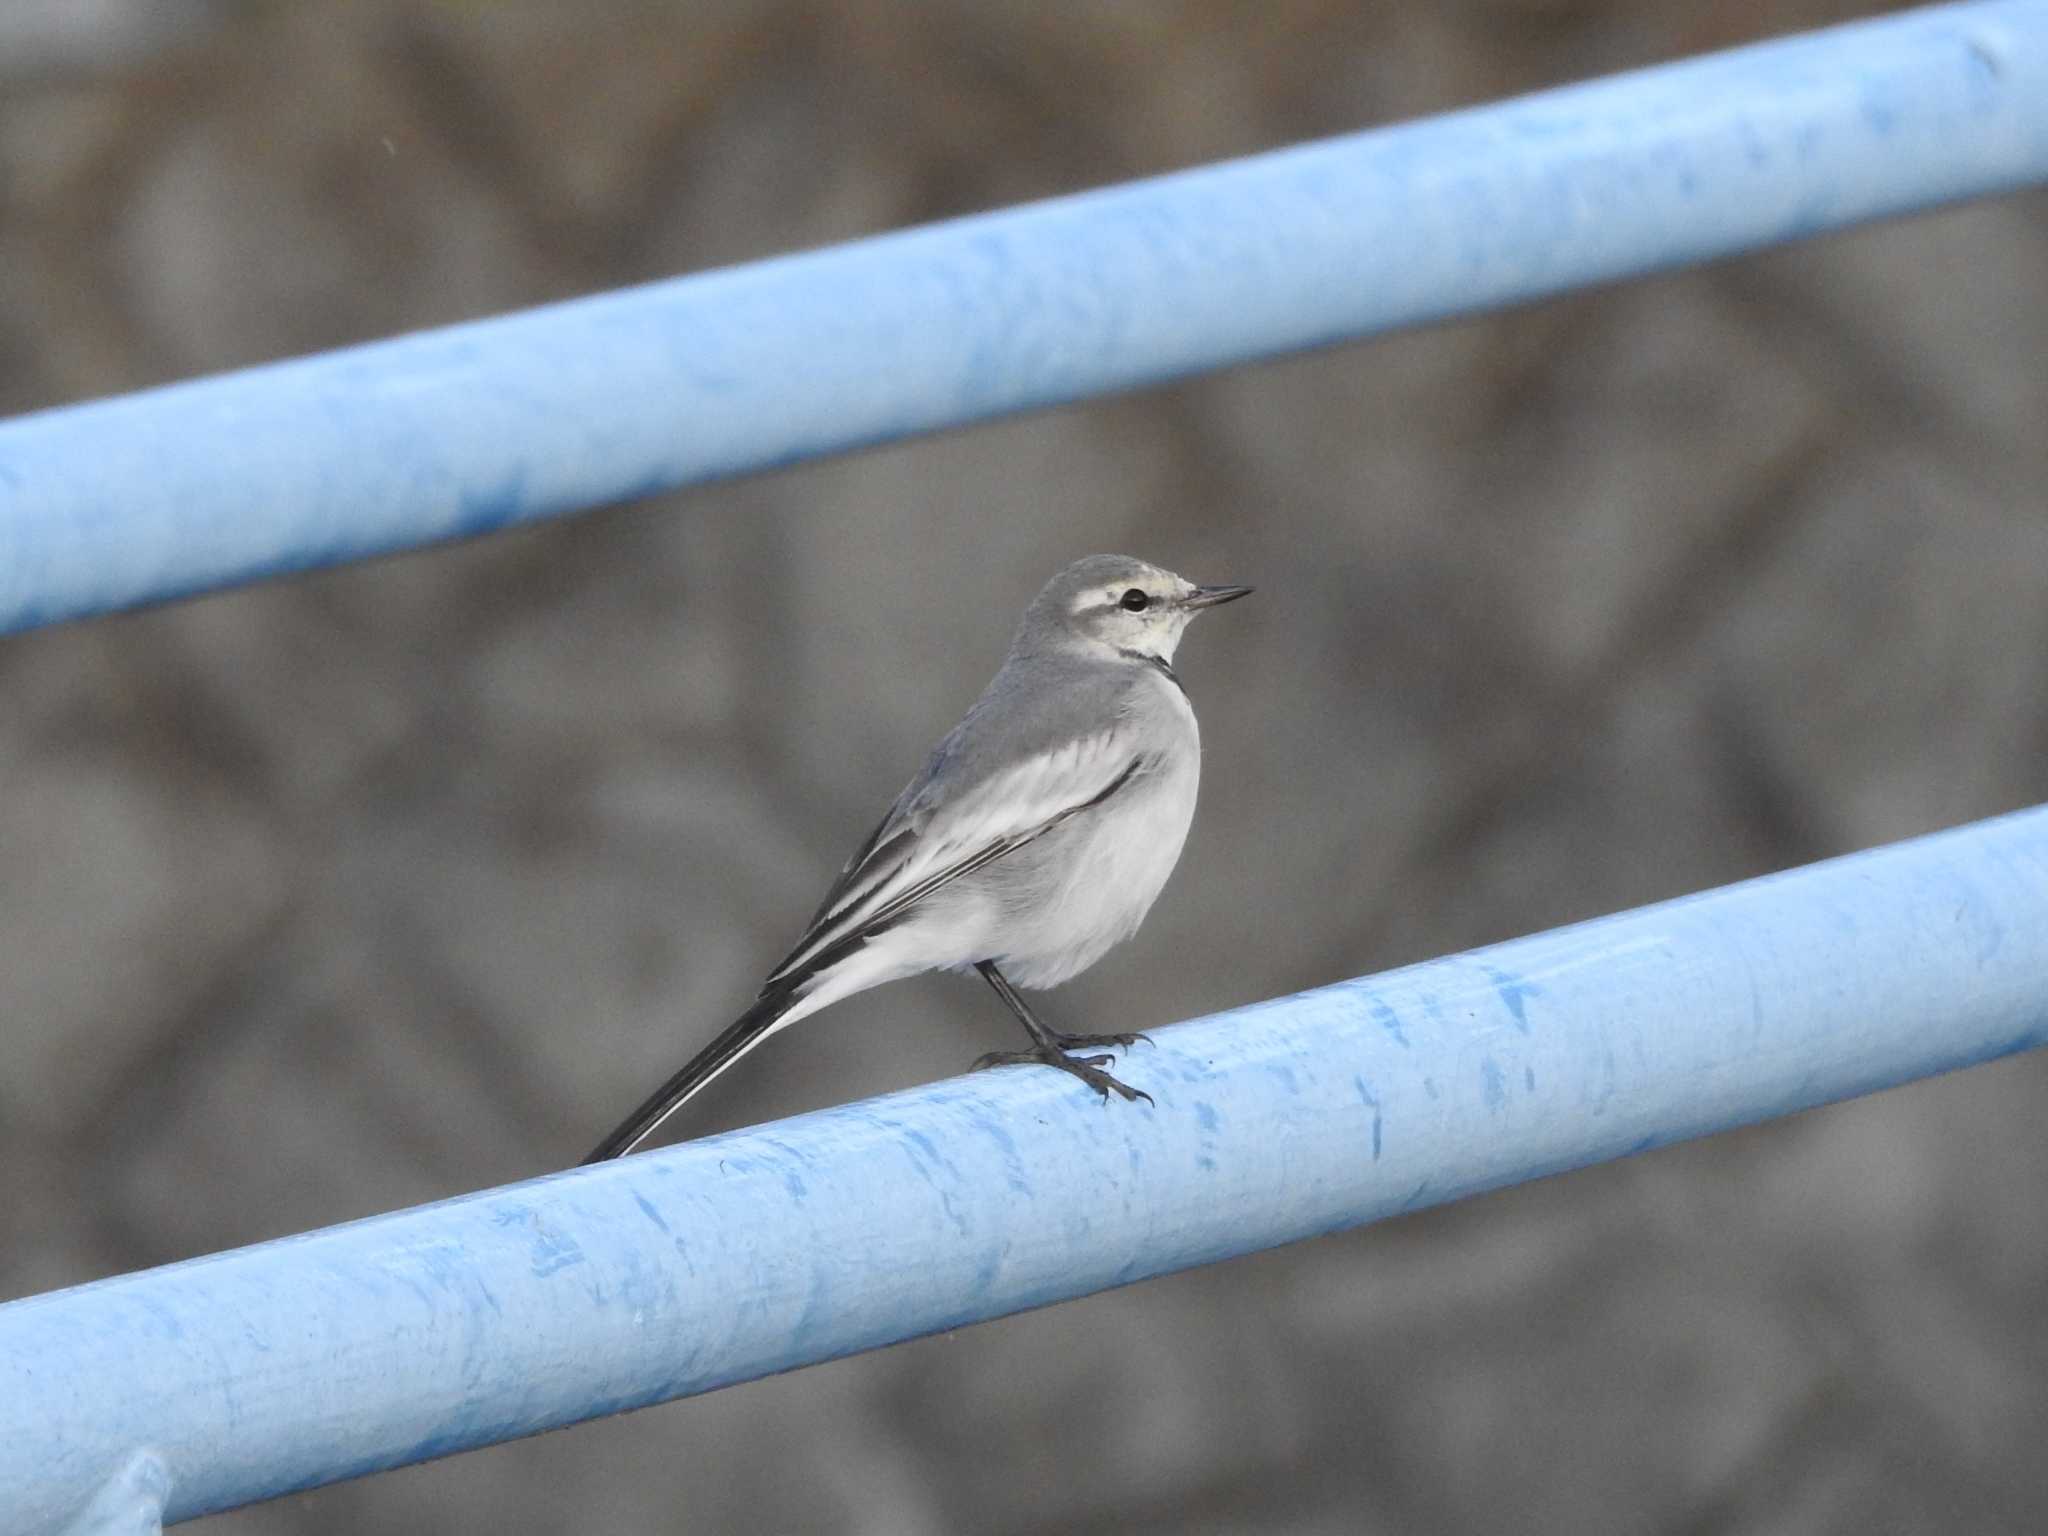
(459, 431)
(429, 1331)
(130, 1503)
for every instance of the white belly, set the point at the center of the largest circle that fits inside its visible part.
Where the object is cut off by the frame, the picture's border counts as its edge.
(1069, 898)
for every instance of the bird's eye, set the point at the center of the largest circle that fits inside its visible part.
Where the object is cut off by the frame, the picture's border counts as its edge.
(1135, 601)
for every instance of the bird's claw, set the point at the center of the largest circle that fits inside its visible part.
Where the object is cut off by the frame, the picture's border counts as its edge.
(1082, 1042)
(1087, 1068)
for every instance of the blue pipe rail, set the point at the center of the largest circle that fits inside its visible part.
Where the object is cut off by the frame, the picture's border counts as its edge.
(455, 432)
(413, 1335)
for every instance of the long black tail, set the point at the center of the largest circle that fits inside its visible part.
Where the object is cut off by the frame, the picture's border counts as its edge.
(739, 1037)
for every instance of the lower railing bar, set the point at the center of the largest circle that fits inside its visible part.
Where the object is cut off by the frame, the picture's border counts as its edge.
(413, 1335)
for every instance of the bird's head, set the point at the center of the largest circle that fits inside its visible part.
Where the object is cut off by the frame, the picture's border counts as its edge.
(1119, 604)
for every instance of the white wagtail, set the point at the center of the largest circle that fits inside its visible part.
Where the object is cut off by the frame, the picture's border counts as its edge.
(1037, 837)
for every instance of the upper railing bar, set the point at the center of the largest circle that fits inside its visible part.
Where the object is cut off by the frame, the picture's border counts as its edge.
(454, 432)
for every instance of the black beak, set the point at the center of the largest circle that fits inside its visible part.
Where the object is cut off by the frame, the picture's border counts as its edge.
(1209, 597)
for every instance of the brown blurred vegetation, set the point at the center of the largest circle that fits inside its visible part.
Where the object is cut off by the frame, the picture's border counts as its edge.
(348, 892)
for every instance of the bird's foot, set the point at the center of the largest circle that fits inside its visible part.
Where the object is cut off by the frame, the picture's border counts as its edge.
(1086, 1068)
(1086, 1042)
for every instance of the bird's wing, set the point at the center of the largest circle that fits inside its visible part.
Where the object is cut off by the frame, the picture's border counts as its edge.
(929, 839)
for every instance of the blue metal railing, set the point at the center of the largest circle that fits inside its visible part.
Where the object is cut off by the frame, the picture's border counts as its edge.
(429, 1331)
(459, 431)
(420, 1333)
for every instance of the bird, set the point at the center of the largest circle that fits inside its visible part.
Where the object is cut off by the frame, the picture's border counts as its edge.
(1035, 838)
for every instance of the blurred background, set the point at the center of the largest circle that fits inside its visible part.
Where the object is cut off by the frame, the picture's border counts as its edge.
(349, 892)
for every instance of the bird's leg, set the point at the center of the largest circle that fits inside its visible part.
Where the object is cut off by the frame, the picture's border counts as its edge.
(1040, 1032)
(1051, 1048)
